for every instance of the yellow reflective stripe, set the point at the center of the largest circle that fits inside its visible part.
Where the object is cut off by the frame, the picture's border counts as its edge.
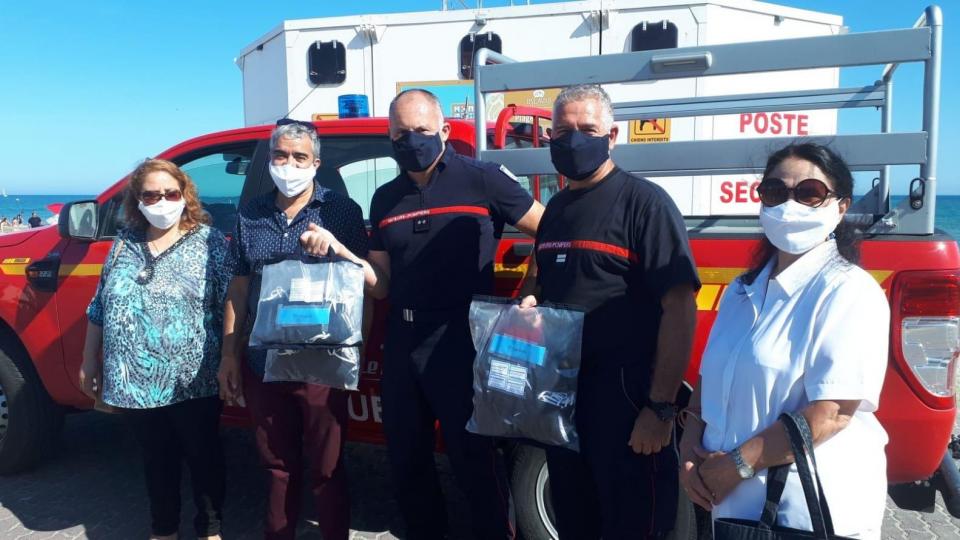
(880, 275)
(719, 275)
(707, 296)
(17, 260)
(84, 269)
(13, 269)
(510, 270)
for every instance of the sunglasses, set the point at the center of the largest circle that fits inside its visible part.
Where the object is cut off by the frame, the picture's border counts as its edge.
(288, 121)
(153, 197)
(810, 192)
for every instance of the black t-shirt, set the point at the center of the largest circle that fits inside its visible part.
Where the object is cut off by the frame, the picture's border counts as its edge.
(614, 249)
(35, 221)
(442, 238)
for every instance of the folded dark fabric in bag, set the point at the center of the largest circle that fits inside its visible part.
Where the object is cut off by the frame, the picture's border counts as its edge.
(525, 372)
(335, 367)
(309, 303)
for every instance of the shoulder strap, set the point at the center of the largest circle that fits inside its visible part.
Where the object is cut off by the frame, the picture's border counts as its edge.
(801, 441)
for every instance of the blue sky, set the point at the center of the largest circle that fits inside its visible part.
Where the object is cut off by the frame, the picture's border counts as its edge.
(90, 88)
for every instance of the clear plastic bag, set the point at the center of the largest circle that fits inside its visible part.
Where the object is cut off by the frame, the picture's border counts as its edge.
(309, 303)
(335, 367)
(525, 372)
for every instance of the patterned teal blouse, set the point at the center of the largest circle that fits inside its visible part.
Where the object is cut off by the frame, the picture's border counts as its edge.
(162, 322)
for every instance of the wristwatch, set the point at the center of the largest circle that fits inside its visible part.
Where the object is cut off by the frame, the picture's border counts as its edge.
(745, 471)
(665, 411)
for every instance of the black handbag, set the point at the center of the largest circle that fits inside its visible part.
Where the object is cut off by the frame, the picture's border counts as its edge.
(801, 441)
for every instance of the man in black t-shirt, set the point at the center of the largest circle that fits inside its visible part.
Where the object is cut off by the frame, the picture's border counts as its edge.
(35, 220)
(616, 245)
(435, 229)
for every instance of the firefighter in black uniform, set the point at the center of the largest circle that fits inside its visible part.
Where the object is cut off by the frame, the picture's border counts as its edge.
(435, 229)
(617, 246)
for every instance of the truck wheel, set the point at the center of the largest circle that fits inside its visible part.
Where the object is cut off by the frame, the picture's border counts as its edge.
(29, 421)
(530, 483)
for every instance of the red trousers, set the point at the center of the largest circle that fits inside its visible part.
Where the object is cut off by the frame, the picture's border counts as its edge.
(298, 422)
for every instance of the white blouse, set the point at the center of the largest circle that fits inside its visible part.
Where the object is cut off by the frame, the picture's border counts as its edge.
(817, 331)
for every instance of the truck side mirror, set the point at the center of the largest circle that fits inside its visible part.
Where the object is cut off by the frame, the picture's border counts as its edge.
(78, 220)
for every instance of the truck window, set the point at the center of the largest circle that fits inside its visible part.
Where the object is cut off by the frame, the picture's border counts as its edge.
(363, 177)
(652, 36)
(327, 63)
(469, 46)
(364, 163)
(219, 173)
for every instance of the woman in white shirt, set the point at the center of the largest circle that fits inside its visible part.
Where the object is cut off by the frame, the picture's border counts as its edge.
(804, 330)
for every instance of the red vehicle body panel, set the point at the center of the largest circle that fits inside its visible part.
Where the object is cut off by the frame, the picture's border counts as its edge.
(51, 325)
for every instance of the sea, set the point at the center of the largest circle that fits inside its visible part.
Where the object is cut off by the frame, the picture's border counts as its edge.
(948, 208)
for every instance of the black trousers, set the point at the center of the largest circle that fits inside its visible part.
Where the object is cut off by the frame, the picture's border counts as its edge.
(428, 376)
(186, 431)
(608, 491)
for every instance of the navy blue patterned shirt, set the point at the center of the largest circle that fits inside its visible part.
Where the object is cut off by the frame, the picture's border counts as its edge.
(263, 233)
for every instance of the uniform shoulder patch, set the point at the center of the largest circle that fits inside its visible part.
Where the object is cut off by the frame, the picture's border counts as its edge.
(508, 174)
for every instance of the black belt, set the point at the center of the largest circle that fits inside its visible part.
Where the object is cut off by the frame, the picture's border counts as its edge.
(410, 315)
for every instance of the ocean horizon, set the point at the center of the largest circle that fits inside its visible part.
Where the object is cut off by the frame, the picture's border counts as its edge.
(948, 208)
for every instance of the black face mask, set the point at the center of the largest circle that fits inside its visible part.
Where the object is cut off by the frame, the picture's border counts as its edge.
(576, 155)
(415, 151)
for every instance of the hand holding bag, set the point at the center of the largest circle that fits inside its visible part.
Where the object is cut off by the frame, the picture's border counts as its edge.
(801, 441)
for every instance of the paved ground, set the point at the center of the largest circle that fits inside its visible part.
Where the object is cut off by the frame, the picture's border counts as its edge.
(92, 488)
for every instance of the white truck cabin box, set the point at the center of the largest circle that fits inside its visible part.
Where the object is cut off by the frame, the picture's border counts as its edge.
(386, 53)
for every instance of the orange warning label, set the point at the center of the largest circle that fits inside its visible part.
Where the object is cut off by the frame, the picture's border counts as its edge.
(651, 130)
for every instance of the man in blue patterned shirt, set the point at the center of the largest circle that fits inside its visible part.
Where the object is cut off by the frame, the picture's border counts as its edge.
(293, 420)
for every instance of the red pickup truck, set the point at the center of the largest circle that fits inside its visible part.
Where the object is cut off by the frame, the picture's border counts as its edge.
(47, 277)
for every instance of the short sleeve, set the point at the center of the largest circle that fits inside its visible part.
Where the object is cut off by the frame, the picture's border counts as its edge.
(848, 356)
(663, 247)
(507, 198)
(237, 259)
(95, 309)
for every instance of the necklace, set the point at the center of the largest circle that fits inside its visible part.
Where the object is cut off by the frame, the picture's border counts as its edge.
(145, 275)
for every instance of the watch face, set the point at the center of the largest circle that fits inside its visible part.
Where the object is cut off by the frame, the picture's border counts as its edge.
(745, 472)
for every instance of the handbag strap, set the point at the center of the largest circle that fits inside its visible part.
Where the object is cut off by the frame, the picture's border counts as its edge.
(801, 440)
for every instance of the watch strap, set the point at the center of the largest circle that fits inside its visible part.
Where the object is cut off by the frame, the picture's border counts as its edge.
(745, 471)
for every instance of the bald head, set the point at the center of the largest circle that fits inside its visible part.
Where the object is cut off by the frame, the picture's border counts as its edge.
(416, 110)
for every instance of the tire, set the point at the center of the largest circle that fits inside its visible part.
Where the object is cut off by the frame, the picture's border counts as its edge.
(530, 484)
(29, 421)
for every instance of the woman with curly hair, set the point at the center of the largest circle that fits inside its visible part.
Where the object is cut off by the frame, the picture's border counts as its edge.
(153, 341)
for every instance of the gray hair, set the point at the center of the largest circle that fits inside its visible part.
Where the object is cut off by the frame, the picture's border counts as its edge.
(582, 92)
(295, 131)
(418, 92)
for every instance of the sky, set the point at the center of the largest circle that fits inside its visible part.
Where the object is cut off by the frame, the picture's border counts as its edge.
(88, 89)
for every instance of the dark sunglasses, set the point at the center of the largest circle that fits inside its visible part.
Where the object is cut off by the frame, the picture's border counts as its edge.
(288, 121)
(153, 197)
(809, 192)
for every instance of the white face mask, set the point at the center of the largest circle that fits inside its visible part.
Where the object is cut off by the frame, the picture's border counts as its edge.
(163, 214)
(290, 179)
(796, 228)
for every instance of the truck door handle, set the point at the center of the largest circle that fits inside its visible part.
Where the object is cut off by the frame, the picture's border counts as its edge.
(523, 249)
(44, 274)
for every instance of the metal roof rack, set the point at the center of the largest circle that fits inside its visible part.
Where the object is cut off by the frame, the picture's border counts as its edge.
(922, 43)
